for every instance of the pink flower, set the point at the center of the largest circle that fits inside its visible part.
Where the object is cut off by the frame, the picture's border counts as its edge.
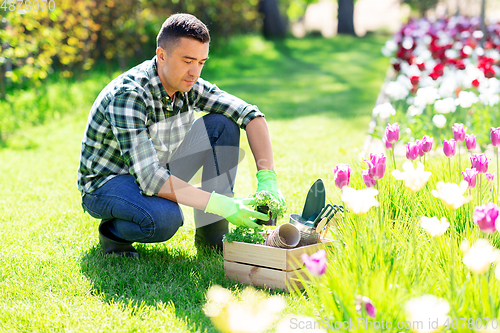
(485, 217)
(364, 303)
(495, 136)
(369, 181)
(392, 133)
(342, 175)
(449, 147)
(316, 263)
(490, 176)
(411, 151)
(470, 177)
(420, 147)
(427, 142)
(470, 141)
(387, 144)
(459, 132)
(479, 162)
(376, 166)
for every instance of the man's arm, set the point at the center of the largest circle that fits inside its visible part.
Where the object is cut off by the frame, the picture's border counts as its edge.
(181, 192)
(260, 143)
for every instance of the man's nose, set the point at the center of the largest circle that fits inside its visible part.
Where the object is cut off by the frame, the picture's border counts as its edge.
(195, 70)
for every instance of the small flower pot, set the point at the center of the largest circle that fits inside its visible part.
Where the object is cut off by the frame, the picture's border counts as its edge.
(265, 210)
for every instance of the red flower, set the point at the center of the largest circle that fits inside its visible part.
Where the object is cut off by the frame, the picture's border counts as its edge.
(475, 83)
(421, 66)
(414, 80)
(459, 64)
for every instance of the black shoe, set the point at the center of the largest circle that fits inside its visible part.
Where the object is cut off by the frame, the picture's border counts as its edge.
(112, 246)
(210, 236)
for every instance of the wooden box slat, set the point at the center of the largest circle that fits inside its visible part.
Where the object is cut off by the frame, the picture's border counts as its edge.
(267, 256)
(263, 277)
(260, 265)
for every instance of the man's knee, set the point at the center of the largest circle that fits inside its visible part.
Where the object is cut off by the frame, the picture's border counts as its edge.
(164, 225)
(220, 126)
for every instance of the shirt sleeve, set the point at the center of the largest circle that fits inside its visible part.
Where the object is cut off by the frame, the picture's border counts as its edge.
(208, 97)
(127, 115)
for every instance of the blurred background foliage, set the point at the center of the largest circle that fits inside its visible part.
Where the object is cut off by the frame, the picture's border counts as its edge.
(75, 34)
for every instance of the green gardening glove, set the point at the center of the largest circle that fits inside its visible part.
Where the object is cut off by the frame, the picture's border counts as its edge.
(267, 182)
(234, 210)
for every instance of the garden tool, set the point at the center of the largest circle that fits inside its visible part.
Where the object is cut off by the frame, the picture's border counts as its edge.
(315, 215)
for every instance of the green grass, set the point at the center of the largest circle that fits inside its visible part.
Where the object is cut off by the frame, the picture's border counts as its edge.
(317, 95)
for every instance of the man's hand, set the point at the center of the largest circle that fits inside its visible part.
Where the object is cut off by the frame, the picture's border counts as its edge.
(234, 210)
(267, 182)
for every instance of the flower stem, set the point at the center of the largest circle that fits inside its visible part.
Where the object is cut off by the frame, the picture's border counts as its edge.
(498, 192)
(459, 162)
(449, 167)
(394, 159)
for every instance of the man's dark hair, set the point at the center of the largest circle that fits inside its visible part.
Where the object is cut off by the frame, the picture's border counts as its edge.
(181, 25)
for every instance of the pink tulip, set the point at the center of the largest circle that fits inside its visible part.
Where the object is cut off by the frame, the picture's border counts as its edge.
(369, 181)
(495, 136)
(459, 132)
(376, 166)
(316, 263)
(364, 303)
(489, 176)
(342, 175)
(485, 217)
(427, 142)
(449, 147)
(392, 133)
(470, 141)
(479, 162)
(387, 144)
(470, 177)
(411, 151)
(420, 147)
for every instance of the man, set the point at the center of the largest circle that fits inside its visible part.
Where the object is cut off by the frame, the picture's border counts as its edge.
(142, 145)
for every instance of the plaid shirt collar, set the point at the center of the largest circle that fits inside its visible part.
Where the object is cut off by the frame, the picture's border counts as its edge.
(159, 91)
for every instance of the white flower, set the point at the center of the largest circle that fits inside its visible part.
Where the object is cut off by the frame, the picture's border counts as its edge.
(452, 194)
(389, 48)
(433, 226)
(253, 314)
(466, 99)
(359, 201)
(414, 179)
(427, 309)
(446, 105)
(427, 94)
(415, 110)
(439, 120)
(384, 110)
(448, 87)
(396, 90)
(480, 256)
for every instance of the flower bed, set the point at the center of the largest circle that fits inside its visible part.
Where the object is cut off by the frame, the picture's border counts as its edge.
(419, 250)
(443, 72)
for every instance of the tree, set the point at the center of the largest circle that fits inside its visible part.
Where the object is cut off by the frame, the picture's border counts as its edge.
(346, 17)
(273, 25)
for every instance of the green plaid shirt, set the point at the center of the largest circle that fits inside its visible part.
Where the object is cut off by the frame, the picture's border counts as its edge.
(134, 127)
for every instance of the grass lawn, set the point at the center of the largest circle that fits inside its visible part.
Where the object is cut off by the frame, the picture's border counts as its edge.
(317, 95)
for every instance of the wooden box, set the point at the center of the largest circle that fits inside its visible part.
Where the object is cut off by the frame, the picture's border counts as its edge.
(260, 265)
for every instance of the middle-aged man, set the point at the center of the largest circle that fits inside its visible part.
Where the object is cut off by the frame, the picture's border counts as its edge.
(142, 146)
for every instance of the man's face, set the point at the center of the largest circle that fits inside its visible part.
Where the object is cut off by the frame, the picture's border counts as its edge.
(181, 67)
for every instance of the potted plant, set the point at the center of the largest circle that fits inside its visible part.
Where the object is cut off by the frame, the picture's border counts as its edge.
(267, 204)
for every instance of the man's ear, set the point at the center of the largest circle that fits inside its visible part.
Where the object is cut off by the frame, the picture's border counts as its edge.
(161, 55)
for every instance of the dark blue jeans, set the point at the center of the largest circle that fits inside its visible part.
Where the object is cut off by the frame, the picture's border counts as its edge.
(212, 143)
